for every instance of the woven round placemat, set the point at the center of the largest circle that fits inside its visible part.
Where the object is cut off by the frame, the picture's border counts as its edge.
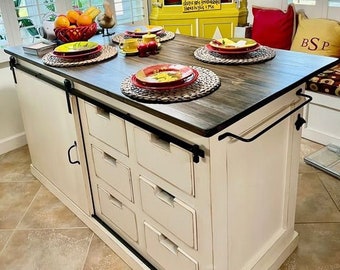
(264, 53)
(206, 83)
(51, 60)
(118, 38)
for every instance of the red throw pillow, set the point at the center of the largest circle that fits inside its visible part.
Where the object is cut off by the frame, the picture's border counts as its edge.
(274, 27)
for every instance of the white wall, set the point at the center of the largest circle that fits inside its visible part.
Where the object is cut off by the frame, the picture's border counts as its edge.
(281, 4)
(12, 133)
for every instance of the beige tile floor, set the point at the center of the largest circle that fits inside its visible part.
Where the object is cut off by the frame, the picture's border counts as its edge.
(37, 232)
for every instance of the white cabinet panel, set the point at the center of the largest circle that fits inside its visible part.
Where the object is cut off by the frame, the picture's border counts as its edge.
(113, 172)
(51, 136)
(167, 254)
(107, 127)
(116, 212)
(169, 211)
(167, 160)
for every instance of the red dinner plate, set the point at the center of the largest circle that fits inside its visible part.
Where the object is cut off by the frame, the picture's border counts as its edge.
(186, 82)
(239, 51)
(163, 74)
(79, 55)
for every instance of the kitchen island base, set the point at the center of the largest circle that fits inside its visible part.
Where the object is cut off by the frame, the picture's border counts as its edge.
(209, 184)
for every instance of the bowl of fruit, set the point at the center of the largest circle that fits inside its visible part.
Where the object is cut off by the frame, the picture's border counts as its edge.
(76, 25)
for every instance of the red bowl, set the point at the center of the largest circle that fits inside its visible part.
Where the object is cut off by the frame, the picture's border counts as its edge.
(79, 33)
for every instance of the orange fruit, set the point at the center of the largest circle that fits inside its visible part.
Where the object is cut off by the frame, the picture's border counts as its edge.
(61, 21)
(72, 16)
(84, 20)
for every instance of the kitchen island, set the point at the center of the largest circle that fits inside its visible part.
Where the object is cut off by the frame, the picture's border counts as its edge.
(203, 184)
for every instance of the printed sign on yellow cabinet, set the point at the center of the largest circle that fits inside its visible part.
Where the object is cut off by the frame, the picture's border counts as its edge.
(200, 5)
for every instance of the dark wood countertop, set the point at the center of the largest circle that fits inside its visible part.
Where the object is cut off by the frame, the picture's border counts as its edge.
(244, 88)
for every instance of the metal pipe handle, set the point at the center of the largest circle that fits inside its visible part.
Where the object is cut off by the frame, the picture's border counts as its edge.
(300, 121)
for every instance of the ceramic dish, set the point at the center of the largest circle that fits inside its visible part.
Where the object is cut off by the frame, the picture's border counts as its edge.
(163, 74)
(76, 47)
(139, 35)
(79, 55)
(141, 30)
(232, 43)
(129, 52)
(240, 51)
(167, 87)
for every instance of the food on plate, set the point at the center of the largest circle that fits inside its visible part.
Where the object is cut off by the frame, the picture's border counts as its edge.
(167, 76)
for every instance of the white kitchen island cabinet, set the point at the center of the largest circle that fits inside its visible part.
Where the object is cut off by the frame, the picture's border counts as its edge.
(208, 184)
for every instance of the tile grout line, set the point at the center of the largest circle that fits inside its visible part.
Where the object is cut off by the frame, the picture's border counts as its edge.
(88, 250)
(330, 195)
(28, 207)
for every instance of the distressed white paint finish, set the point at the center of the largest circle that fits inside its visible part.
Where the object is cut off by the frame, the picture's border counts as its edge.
(50, 132)
(236, 206)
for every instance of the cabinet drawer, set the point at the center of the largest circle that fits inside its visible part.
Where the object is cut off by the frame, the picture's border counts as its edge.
(117, 213)
(165, 252)
(169, 211)
(113, 172)
(167, 160)
(107, 127)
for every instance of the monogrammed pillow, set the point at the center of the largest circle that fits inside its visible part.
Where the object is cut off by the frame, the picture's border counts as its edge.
(317, 36)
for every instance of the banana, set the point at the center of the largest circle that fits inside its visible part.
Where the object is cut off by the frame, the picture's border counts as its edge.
(89, 10)
(94, 13)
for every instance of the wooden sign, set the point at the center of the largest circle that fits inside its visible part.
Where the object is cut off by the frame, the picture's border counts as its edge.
(200, 5)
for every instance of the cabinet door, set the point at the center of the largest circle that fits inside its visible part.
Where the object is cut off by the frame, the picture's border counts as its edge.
(179, 26)
(216, 27)
(51, 136)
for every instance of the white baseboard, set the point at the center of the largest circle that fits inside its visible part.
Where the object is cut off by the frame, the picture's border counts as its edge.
(12, 142)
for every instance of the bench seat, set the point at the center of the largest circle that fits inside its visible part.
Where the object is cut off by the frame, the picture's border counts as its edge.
(327, 82)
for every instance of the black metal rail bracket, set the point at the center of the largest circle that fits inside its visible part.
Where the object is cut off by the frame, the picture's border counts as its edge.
(298, 124)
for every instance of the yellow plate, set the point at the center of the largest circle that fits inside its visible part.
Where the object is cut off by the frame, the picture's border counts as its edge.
(76, 47)
(129, 52)
(232, 43)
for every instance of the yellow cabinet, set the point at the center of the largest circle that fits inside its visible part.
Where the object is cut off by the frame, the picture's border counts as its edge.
(215, 23)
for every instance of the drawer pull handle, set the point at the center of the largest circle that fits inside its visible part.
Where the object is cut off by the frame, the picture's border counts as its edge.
(109, 158)
(160, 142)
(298, 93)
(172, 247)
(165, 196)
(116, 202)
(102, 112)
(69, 154)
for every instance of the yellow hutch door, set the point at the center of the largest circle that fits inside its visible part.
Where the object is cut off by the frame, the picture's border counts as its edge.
(216, 23)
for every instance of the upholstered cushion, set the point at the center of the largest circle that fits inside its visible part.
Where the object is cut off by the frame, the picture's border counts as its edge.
(317, 36)
(327, 82)
(273, 27)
